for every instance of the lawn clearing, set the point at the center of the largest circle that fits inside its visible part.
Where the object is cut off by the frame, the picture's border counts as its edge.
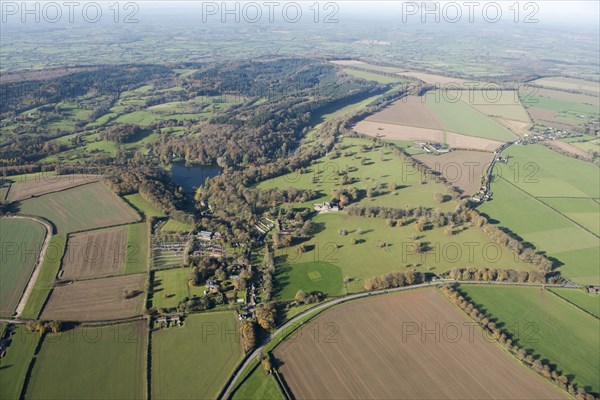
(92, 363)
(82, 208)
(171, 286)
(363, 351)
(21, 241)
(21, 190)
(542, 322)
(14, 365)
(312, 276)
(194, 361)
(143, 206)
(97, 299)
(95, 254)
(45, 280)
(175, 226)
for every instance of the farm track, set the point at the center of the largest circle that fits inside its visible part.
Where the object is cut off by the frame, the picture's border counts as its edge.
(231, 384)
(38, 265)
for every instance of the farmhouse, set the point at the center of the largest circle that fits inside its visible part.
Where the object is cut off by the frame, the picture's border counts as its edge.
(594, 289)
(325, 207)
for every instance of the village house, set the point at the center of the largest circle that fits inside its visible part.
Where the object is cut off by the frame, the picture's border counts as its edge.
(325, 207)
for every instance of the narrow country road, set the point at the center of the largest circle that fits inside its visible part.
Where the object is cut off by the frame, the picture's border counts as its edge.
(226, 393)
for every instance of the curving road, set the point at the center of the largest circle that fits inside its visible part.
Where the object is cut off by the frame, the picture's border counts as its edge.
(226, 392)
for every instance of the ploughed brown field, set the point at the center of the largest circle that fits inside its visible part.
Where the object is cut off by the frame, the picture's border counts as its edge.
(96, 253)
(97, 299)
(409, 111)
(461, 168)
(569, 148)
(38, 186)
(417, 134)
(412, 345)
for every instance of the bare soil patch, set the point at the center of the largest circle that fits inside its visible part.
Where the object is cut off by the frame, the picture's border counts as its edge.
(376, 349)
(411, 133)
(569, 148)
(95, 253)
(43, 185)
(97, 299)
(410, 111)
(461, 168)
(399, 132)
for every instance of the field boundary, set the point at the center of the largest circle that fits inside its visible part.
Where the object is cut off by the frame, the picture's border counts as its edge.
(573, 304)
(54, 191)
(550, 207)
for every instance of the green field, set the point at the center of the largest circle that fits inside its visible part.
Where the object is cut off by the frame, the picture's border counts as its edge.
(258, 386)
(550, 327)
(136, 259)
(21, 241)
(314, 276)
(92, 363)
(82, 208)
(142, 206)
(46, 278)
(175, 226)
(13, 367)
(465, 248)
(195, 361)
(371, 76)
(458, 117)
(381, 167)
(557, 207)
(588, 301)
(171, 287)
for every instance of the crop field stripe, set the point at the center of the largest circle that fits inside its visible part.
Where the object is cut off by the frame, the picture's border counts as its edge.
(550, 207)
(43, 285)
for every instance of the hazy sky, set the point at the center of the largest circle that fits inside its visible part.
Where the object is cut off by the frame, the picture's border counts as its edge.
(545, 11)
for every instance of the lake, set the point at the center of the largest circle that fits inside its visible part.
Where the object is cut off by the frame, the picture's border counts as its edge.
(192, 177)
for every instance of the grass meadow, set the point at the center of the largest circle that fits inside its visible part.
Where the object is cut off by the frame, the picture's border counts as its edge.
(45, 280)
(554, 200)
(14, 365)
(92, 363)
(21, 241)
(195, 360)
(546, 325)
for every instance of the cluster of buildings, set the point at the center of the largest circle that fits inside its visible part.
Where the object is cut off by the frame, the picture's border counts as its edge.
(166, 320)
(325, 207)
(481, 196)
(432, 148)
(207, 245)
